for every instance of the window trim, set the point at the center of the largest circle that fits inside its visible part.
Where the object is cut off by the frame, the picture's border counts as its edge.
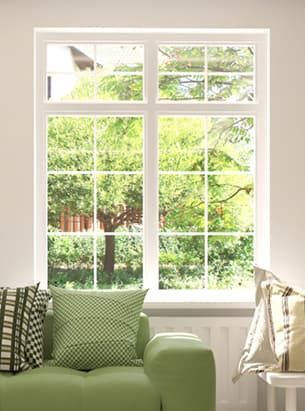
(151, 37)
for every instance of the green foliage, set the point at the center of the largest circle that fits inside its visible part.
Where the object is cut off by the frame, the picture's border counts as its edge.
(181, 58)
(181, 143)
(230, 59)
(182, 70)
(70, 262)
(128, 263)
(192, 58)
(234, 88)
(181, 202)
(181, 87)
(117, 136)
(114, 87)
(231, 143)
(69, 192)
(70, 143)
(230, 203)
(230, 262)
(118, 190)
(120, 87)
(181, 262)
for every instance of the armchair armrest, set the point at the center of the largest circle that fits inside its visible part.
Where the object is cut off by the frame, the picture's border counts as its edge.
(182, 370)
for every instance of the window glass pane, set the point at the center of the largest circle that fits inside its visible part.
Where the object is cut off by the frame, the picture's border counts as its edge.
(181, 200)
(119, 202)
(119, 70)
(119, 87)
(181, 87)
(230, 88)
(70, 261)
(181, 143)
(120, 143)
(231, 143)
(79, 86)
(70, 70)
(230, 262)
(120, 261)
(70, 58)
(179, 160)
(230, 203)
(119, 57)
(70, 199)
(70, 143)
(181, 262)
(231, 59)
(107, 72)
(181, 58)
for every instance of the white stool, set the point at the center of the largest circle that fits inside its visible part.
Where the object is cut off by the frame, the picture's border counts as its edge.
(289, 381)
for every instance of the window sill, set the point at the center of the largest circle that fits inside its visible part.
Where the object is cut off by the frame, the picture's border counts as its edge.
(207, 299)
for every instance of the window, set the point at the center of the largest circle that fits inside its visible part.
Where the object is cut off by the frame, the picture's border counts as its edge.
(152, 158)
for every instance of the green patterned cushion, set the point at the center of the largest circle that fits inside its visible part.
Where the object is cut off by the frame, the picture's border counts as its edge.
(34, 345)
(16, 305)
(94, 329)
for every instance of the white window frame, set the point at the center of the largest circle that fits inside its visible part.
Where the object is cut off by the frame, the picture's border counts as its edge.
(259, 109)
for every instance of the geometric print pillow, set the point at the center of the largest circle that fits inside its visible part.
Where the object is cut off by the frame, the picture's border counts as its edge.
(34, 346)
(16, 305)
(94, 329)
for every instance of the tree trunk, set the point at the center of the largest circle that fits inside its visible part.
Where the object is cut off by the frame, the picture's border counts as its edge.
(109, 258)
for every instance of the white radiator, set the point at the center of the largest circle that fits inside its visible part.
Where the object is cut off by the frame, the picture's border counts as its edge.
(226, 336)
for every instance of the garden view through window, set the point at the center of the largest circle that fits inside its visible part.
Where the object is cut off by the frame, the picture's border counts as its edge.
(98, 164)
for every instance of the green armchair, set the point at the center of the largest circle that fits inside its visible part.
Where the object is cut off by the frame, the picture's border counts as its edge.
(178, 375)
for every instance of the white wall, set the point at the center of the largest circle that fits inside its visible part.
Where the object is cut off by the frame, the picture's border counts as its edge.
(285, 18)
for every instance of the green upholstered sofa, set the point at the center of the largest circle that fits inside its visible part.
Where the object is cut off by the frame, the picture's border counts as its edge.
(178, 375)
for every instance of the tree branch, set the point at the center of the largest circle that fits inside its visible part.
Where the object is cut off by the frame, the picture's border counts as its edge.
(248, 190)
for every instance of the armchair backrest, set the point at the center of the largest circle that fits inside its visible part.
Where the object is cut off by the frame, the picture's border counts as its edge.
(142, 340)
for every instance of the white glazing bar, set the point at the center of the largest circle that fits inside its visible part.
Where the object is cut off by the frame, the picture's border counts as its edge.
(91, 74)
(94, 206)
(93, 172)
(206, 168)
(91, 233)
(139, 234)
(206, 204)
(95, 79)
(254, 48)
(210, 107)
(150, 212)
(201, 73)
(231, 73)
(201, 233)
(212, 173)
(182, 73)
(163, 107)
(206, 74)
(117, 108)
